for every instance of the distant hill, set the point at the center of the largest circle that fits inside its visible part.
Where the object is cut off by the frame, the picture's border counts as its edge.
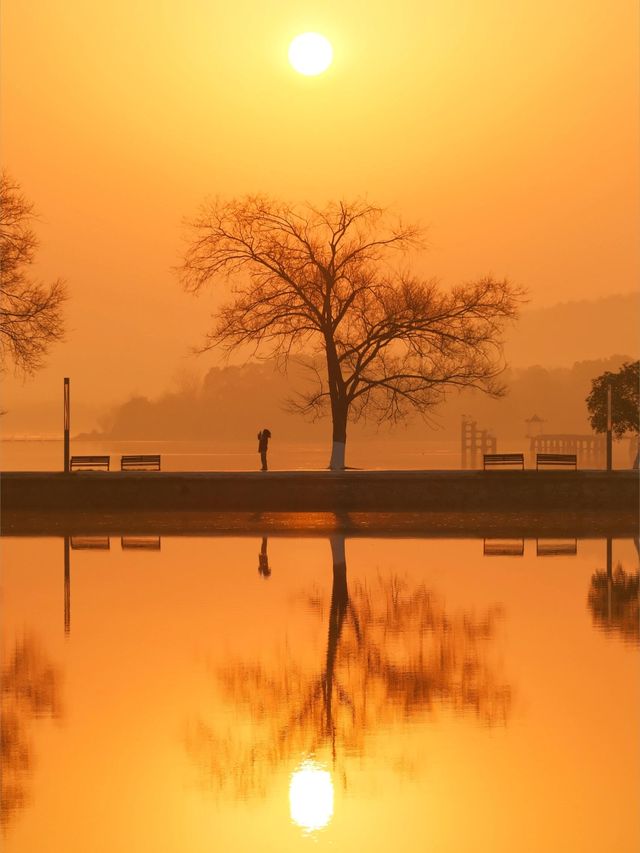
(233, 403)
(568, 332)
(553, 355)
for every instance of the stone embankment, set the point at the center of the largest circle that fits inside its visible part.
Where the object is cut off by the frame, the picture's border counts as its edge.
(321, 491)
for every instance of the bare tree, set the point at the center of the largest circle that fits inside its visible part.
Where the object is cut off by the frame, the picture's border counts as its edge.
(382, 342)
(30, 310)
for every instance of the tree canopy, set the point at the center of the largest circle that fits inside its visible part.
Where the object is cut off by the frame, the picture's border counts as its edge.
(30, 310)
(625, 400)
(328, 283)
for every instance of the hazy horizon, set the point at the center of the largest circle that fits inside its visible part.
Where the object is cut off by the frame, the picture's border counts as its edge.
(33, 408)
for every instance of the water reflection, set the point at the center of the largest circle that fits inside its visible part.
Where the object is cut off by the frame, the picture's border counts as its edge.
(311, 796)
(393, 652)
(140, 543)
(129, 542)
(30, 690)
(556, 547)
(90, 543)
(263, 559)
(503, 547)
(351, 689)
(613, 600)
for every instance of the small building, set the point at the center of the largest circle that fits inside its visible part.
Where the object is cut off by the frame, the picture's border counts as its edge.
(535, 426)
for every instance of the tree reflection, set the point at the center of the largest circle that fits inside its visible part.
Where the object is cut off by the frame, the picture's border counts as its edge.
(30, 690)
(393, 652)
(613, 601)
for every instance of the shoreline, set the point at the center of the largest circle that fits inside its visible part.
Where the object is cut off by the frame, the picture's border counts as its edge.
(348, 491)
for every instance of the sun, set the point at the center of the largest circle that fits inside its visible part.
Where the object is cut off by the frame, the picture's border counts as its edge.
(311, 796)
(310, 54)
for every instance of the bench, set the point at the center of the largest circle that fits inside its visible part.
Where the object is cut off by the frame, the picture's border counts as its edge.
(89, 463)
(140, 463)
(492, 460)
(565, 460)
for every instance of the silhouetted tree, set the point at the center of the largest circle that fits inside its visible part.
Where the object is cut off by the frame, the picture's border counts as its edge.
(625, 400)
(382, 342)
(392, 653)
(29, 691)
(30, 310)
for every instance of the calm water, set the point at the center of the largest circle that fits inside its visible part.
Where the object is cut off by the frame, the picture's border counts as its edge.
(241, 694)
(386, 452)
(230, 456)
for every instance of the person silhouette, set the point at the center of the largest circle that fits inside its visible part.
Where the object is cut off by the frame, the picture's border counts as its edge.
(263, 560)
(263, 444)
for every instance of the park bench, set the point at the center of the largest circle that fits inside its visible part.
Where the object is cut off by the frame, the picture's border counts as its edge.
(89, 463)
(140, 463)
(494, 460)
(563, 460)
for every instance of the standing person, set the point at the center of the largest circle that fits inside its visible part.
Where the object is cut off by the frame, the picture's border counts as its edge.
(263, 444)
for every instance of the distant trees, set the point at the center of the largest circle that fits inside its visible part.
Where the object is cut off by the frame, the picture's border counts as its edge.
(30, 310)
(187, 412)
(625, 400)
(382, 343)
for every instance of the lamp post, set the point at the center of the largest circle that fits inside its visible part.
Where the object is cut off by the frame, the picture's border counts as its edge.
(609, 431)
(67, 422)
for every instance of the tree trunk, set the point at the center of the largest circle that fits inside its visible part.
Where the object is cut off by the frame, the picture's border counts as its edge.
(337, 613)
(339, 418)
(339, 405)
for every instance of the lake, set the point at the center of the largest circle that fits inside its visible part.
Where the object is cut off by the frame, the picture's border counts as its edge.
(289, 692)
(385, 452)
(48, 455)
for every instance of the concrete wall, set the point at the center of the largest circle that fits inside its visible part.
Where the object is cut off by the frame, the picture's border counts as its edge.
(322, 491)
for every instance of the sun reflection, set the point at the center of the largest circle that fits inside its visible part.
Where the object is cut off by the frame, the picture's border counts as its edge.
(311, 796)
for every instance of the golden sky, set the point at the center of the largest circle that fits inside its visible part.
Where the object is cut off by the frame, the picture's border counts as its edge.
(510, 130)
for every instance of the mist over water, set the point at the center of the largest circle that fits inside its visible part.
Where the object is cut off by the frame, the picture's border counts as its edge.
(227, 456)
(222, 411)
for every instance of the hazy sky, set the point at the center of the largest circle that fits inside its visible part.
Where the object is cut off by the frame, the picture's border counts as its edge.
(510, 129)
